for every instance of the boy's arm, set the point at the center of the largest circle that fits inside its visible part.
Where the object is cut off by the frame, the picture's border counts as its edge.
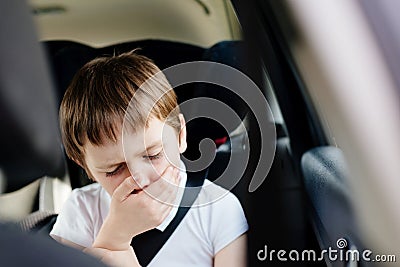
(234, 254)
(123, 258)
(111, 258)
(112, 249)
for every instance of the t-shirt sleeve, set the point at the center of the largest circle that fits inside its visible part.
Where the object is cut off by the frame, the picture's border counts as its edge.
(74, 221)
(230, 221)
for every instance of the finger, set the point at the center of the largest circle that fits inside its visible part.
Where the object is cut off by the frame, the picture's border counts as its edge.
(174, 180)
(125, 189)
(177, 176)
(168, 197)
(156, 188)
(170, 176)
(168, 171)
(165, 202)
(165, 193)
(173, 177)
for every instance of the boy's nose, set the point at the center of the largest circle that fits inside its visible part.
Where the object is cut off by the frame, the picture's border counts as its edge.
(141, 180)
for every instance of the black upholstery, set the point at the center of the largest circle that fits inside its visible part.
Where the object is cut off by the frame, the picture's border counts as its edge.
(67, 57)
(38, 222)
(29, 137)
(30, 146)
(326, 183)
(23, 249)
(231, 53)
(275, 211)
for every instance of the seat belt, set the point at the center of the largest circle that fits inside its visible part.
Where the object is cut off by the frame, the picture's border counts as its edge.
(146, 245)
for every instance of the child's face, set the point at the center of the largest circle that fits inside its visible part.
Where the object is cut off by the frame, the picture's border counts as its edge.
(144, 154)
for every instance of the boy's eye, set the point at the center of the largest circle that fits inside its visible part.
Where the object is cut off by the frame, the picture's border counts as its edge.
(115, 172)
(153, 157)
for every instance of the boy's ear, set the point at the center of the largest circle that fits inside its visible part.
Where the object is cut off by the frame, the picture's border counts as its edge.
(182, 134)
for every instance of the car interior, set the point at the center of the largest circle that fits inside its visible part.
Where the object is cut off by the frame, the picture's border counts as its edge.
(30, 145)
(305, 202)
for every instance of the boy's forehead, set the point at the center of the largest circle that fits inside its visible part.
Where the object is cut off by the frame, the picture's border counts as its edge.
(145, 137)
(131, 143)
(104, 154)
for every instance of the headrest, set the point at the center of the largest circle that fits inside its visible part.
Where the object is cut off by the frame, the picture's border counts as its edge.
(233, 54)
(29, 139)
(67, 57)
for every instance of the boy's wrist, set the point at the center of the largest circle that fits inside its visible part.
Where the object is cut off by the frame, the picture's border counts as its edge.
(111, 238)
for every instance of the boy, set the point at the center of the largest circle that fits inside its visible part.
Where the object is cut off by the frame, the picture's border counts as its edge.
(129, 138)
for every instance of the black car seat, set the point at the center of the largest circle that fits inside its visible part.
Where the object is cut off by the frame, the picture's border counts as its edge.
(67, 57)
(326, 180)
(31, 157)
(230, 137)
(29, 137)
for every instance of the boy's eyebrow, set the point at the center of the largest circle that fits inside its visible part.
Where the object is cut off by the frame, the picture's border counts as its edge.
(112, 165)
(154, 144)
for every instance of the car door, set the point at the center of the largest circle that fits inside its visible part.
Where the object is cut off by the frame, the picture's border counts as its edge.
(324, 66)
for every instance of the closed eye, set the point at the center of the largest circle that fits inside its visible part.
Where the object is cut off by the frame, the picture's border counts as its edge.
(154, 157)
(116, 171)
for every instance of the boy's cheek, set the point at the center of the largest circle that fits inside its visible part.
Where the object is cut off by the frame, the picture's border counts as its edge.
(158, 168)
(150, 173)
(172, 157)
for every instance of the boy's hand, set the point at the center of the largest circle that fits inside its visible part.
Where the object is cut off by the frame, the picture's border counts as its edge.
(132, 214)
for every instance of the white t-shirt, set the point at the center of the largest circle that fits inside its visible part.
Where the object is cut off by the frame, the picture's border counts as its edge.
(215, 220)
